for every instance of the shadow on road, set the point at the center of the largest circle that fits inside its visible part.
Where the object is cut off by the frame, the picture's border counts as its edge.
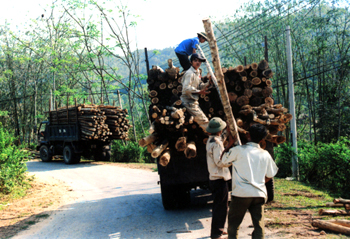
(129, 216)
(35, 166)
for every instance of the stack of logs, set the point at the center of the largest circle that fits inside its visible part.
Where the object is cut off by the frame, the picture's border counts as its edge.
(250, 93)
(339, 226)
(97, 122)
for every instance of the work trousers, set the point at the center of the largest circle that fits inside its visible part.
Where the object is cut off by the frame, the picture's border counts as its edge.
(199, 117)
(238, 208)
(219, 189)
(184, 61)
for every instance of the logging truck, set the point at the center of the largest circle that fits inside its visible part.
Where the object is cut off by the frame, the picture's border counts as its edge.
(81, 130)
(178, 143)
(66, 140)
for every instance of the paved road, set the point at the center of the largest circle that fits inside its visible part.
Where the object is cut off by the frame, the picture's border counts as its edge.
(118, 202)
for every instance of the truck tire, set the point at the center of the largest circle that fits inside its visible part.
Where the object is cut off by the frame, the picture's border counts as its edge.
(168, 196)
(69, 156)
(270, 187)
(45, 153)
(175, 196)
(106, 156)
(102, 155)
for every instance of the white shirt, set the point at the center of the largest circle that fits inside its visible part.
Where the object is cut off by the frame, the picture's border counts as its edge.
(191, 85)
(250, 165)
(215, 167)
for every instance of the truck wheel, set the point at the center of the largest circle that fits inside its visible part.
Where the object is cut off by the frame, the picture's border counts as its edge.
(270, 188)
(102, 155)
(45, 154)
(69, 156)
(168, 197)
(106, 156)
(183, 197)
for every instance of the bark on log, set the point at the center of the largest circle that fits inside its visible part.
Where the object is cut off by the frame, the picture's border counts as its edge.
(332, 226)
(220, 76)
(159, 149)
(333, 212)
(148, 140)
(341, 200)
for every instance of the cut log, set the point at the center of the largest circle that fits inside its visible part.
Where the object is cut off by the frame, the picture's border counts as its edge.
(164, 159)
(256, 91)
(155, 100)
(341, 200)
(254, 74)
(181, 144)
(159, 149)
(248, 93)
(267, 92)
(268, 73)
(333, 212)
(332, 204)
(191, 150)
(263, 65)
(332, 226)
(148, 140)
(153, 93)
(150, 148)
(254, 66)
(256, 81)
(239, 68)
(242, 100)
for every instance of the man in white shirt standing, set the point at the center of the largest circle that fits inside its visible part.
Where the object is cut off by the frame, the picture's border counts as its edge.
(192, 87)
(218, 176)
(252, 167)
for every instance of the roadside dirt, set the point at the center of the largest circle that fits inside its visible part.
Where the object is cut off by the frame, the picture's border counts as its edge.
(47, 194)
(42, 199)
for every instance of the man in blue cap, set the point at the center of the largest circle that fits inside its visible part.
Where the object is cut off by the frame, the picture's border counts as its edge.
(188, 47)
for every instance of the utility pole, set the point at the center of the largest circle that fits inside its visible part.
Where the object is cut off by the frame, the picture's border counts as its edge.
(51, 100)
(293, 127)
(146, 60)
(120, 101)
(266, 50)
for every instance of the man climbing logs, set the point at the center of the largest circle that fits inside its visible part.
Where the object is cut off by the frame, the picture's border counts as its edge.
(192, 87)
(188, 47)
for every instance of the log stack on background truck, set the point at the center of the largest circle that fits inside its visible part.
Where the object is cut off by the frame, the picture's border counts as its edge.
(81, 130)
(178, 142)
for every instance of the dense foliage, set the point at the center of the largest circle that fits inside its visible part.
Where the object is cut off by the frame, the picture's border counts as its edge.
(130, 152)
(12, 163)
(324, 165)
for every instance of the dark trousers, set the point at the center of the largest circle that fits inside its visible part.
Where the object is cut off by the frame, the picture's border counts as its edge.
(184, 61)
(219, 190)
(238, 208)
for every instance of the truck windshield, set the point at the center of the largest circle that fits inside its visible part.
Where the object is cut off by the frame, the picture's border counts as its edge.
(42, 129)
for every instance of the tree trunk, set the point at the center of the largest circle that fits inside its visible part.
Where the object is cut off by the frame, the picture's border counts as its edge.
(220, 77)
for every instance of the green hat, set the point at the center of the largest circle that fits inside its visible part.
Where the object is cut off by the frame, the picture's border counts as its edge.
(215, 125)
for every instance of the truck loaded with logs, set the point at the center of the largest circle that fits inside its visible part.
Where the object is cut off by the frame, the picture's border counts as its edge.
(178, 143)
(81, 130)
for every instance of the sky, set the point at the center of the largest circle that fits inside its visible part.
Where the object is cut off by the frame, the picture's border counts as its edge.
(161, 24)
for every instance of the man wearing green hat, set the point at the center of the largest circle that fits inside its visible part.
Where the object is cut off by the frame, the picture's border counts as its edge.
(218, 176)
(188, 47)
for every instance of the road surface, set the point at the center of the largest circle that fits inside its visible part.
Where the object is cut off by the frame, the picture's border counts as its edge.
(119, 202)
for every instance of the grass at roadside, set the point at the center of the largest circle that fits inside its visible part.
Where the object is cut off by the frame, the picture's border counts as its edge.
(294, 207)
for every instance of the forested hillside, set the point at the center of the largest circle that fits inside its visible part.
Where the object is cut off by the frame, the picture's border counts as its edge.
(66, 54)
